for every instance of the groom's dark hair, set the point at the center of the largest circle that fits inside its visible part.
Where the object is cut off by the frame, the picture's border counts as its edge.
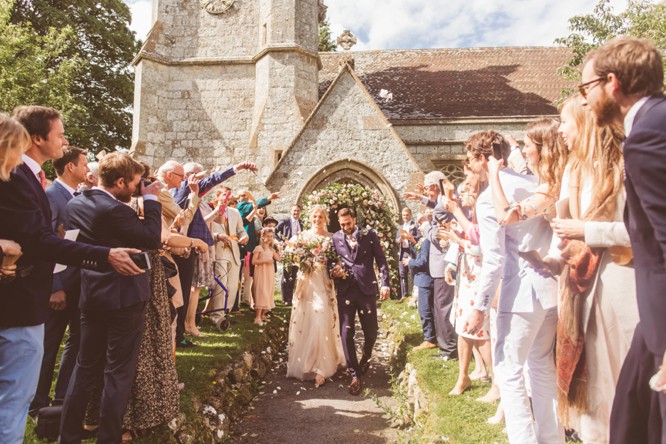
(347, 212)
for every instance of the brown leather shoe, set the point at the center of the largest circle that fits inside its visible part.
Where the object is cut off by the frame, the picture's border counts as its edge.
(425, 345)
(355, 387)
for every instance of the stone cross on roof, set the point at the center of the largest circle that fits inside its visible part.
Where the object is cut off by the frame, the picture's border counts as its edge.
(346, 40)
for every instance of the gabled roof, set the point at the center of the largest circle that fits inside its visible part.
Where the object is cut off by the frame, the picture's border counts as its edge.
(454, 83)
(341, 70)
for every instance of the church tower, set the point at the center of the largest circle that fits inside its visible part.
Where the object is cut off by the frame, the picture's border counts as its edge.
(221, 81)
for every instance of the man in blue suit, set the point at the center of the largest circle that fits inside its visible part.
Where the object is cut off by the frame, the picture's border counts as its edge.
(285, 230)
(356, 288)
(406, 237)
(111, 305)
(623, 82)
(71, 169)
(24, 302)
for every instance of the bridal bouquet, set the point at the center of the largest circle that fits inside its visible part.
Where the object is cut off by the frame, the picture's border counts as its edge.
(308, 254)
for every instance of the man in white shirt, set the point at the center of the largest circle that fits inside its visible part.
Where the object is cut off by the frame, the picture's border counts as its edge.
(527, 309)
(285, 230)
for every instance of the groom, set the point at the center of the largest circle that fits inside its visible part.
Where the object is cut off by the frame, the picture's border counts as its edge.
(356, 287)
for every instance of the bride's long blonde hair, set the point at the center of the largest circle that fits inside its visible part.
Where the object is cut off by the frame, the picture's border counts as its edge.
(322, 209)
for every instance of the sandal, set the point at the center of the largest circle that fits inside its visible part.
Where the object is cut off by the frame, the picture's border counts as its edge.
(319, 380)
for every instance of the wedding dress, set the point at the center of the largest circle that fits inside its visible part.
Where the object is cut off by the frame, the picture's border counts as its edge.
(315, 346)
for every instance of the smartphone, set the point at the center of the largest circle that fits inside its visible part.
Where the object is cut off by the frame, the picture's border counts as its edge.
(446, 191)
(497, 151)
(142, 260)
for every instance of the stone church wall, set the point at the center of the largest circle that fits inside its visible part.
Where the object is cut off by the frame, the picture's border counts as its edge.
(346, 126)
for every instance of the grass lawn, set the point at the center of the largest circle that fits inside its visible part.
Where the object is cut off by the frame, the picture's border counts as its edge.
(453, 419)
(198, 366)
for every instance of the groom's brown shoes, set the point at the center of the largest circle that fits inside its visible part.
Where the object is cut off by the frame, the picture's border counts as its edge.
(355, 387)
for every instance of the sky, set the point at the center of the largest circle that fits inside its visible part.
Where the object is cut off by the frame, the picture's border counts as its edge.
(420, 24)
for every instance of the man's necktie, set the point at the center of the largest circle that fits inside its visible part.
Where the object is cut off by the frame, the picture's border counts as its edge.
(42, 179)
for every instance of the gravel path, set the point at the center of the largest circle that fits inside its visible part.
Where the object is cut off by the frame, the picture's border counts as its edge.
(295, 412)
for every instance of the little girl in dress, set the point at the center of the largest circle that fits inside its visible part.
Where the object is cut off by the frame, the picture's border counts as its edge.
(263, 259)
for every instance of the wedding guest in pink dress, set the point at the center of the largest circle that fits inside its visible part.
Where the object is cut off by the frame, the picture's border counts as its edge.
(263, 259)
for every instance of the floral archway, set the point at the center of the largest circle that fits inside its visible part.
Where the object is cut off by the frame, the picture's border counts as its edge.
(372, 210)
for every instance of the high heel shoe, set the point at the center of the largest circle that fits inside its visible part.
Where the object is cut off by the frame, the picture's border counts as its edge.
(319, 380)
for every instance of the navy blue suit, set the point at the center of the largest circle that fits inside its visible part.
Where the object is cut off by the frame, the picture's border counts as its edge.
(404, 253)
(111, 312)
(283, 231)
(358, 292)
(69, 281)
(639, 413)
(420, 266)
(26, 219)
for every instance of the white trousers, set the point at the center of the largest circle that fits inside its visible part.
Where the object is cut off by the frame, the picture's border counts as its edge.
(528, 338)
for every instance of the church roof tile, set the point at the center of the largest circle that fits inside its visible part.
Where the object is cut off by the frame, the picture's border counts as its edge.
(456, 83)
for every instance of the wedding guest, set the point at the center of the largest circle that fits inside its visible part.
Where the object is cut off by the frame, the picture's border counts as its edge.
(203, 269)
(92, 177)
(517, 160)
(285, 230)
(197, 229)
(406, 237)
(10, 158)
(172, 174)
(112, 306)
(229, 235)
(468, 267)
(624, 80)
(443, 292)
(597, 313)
(26, 220)
(247, 207)
(263, 259)
(420, 267)
(546, 156)
(155, 400)
(527, 310)
(71, 170)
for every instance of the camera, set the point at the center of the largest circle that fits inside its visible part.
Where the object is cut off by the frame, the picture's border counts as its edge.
(142, 183)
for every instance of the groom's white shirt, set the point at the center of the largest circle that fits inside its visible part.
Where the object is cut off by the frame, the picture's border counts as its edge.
(521, 283)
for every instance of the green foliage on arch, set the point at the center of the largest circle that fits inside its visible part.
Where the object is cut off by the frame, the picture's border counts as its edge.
(372, 211)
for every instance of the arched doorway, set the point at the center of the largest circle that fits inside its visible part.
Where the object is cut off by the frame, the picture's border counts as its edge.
(350, 171)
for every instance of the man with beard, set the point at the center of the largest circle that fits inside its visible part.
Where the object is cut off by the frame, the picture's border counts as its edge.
(623, 81)
(111, 305)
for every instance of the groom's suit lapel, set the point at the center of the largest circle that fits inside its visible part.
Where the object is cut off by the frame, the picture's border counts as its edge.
(342, 241)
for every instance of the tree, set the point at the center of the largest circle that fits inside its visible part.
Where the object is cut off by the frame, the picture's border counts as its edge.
(103, 88)
(642, 18)
(326, 42)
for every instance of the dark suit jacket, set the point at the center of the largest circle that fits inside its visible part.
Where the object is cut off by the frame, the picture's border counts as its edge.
(359, 263)
(69, 279)
(645, 217)
(421, 266)
(414, 231)
(108, 222)
(283, 229)
(26, 219)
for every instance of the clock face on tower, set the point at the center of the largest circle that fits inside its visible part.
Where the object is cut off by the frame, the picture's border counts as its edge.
(216, 6)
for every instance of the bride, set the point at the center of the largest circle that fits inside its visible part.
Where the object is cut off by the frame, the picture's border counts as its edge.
(315, 347)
